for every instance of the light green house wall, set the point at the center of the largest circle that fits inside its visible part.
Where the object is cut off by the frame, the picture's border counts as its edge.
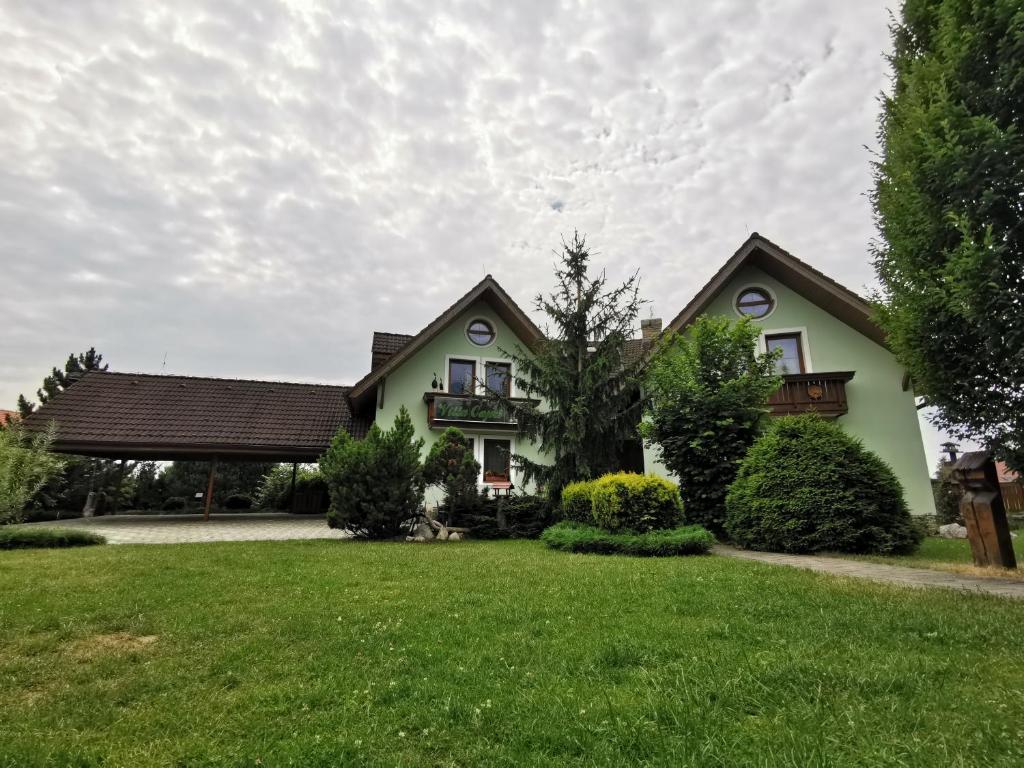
(881, 414)
(407, 384)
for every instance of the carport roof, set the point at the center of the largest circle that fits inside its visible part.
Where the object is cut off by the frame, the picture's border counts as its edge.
(145, 416)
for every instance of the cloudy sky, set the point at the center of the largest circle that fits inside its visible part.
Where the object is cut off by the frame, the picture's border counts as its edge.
(249, 188)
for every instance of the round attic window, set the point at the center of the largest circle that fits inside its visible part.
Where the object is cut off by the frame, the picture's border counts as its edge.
(480, 332)
(755, 302)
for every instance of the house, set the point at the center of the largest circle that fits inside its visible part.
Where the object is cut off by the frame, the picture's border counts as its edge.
(437, 372)
(834, 356)
(6, 417)
(834, 361)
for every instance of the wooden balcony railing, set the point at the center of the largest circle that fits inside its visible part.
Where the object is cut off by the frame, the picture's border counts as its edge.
(823, 393)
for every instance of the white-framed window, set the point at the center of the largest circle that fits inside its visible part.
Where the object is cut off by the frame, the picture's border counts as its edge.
(795, 346)
(480, 331)
(754, 301)
(493, 452)
(468, 375)
(462, 373)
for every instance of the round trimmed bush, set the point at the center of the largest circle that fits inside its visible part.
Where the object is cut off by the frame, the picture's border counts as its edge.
(577, 504)
(808, 486)
(640, 503)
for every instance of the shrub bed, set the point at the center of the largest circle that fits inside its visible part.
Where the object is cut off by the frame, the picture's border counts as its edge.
(576, 537)
(525, 516)
(640, 503)
(46, 538)
(808, 486)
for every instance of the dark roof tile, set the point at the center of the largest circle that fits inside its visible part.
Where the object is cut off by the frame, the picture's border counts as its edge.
(385, 345)
(127, 414)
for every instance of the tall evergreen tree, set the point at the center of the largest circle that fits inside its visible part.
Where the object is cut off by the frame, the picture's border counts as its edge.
(59, 380)
(581, 374)
(949, 203)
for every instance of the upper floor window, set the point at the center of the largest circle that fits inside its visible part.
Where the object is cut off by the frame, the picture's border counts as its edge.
(754, 302)
(499, 378)
(792, 359)
(480, 332)
(461, 376)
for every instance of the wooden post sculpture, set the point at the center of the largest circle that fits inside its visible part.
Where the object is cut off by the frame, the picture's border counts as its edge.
(981, 507)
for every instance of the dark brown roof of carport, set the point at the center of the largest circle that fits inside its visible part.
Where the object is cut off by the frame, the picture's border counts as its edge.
(130, 415)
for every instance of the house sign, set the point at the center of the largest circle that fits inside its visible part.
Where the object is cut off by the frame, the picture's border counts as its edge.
(469, 409)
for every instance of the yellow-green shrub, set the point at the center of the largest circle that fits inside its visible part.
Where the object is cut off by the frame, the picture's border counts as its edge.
(629, 502)
(577, 504)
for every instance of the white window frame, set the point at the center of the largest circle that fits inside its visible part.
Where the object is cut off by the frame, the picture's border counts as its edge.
(478, 454)
(490, 323)
(448, 368)
(805, 344)
(755, 287)
(511, 373)
(481, 362)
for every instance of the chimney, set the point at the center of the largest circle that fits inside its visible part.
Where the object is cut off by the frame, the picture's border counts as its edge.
(650, 329)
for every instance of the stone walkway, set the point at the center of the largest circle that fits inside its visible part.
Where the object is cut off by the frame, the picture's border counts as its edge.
(889, 574)
(175, 529)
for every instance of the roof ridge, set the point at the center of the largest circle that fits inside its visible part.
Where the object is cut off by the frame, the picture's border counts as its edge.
(809, 266)
(216, 378)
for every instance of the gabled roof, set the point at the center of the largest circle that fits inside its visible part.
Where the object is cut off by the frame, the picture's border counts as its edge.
(132, 415)
(486, 290)
(820, 289)
(385, 345)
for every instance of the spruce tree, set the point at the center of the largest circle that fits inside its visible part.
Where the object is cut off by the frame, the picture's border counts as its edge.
(588, 390)
(59, 380)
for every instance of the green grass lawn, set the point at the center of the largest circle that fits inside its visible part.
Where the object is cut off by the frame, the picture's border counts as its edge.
(950, 555)
(503, 653)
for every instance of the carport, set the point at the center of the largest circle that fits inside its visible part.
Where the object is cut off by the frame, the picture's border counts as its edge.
(177, 418)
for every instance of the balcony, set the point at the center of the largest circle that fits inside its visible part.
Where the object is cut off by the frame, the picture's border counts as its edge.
(468, 412)
(822, 393)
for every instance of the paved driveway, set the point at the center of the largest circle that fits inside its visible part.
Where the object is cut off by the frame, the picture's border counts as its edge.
(174, 529)
(890, 574)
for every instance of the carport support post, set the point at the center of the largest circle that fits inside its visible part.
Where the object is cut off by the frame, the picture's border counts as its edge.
(295, 468)
(209, 488)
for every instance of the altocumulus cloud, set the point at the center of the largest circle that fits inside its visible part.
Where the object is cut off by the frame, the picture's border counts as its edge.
(252, 187)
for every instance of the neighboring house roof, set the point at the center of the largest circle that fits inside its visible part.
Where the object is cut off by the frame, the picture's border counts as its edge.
(1006, 475)
(762, 253)
(385, 345)
(486, 290)
(7, 417)
(177, 417)
(633, 350)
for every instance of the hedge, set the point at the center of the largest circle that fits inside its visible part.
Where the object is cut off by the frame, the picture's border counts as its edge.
(12, 537)
(639, 503)
(808, 486)
(577, 537)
